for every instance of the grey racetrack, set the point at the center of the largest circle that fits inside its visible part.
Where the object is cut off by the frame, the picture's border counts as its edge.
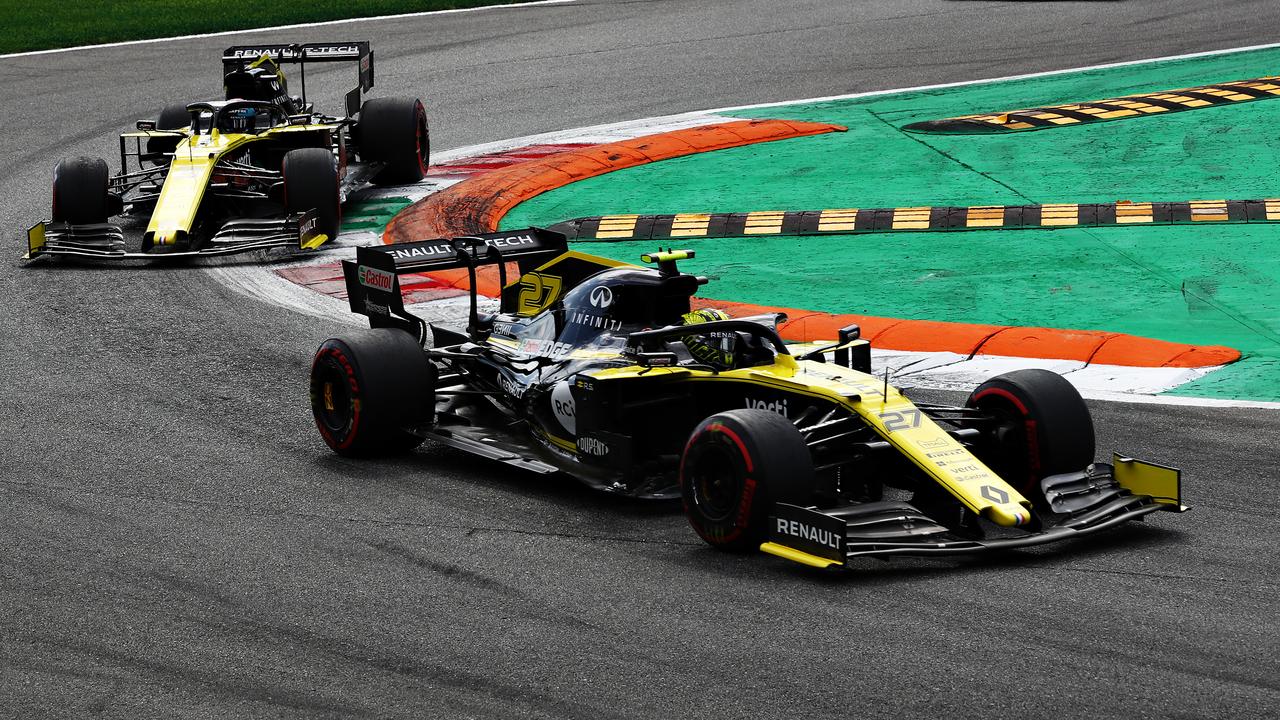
(176, 541)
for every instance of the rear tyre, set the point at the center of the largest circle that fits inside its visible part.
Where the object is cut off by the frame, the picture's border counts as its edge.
(172, 117)
(311, 182)
(80, 191)
(1043, 427)
(366, 388)
(736, 465)
(395, 131)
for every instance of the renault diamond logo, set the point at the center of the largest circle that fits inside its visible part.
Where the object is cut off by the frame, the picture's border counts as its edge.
(995, 494)
(601, 297)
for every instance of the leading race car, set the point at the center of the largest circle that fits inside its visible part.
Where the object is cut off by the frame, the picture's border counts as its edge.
(259, 169)
(600, 369)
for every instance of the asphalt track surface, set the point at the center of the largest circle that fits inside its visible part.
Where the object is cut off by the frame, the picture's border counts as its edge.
(175, 540)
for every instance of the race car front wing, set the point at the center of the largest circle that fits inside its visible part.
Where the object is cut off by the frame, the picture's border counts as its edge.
(105, 241)
(1082, 503)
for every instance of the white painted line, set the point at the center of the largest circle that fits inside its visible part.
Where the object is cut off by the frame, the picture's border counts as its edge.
(1007, 78)
(1179, 400)
(285, 27)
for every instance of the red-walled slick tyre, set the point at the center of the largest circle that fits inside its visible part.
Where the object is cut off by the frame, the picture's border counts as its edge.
(367, 388)
(1042, 428)
(736, 465)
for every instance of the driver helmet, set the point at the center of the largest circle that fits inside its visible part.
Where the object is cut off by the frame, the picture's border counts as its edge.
(240, 119)
(712, 349)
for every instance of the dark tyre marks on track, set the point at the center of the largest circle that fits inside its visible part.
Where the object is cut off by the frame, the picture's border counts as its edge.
(178, 542)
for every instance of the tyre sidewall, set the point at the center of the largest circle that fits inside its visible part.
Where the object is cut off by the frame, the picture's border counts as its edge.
(770, 463)
(389, 385)
(395, 131)
(80, 191)
(172, 117)
(1055, 427)
(311, 183)
(334, 362)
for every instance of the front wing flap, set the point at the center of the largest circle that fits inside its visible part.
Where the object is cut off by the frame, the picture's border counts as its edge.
(105, 241)
(1082, 503)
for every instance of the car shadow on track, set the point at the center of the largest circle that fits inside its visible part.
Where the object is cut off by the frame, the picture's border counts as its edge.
(441, 474)
(440, 467)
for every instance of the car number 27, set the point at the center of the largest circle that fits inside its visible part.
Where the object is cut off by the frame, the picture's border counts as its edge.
(901, 420)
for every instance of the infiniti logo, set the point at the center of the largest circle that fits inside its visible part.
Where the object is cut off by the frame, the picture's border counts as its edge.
(601, 297)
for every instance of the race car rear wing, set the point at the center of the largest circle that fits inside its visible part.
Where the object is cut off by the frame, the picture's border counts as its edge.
(238, 57)
(373, 284)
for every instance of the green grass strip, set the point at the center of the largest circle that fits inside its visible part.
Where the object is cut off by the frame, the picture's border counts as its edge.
(44, 25)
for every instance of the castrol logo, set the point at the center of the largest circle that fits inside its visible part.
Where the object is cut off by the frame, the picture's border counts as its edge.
(376, 279)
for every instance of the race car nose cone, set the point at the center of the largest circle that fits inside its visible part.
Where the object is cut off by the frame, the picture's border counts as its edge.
(1007, 514)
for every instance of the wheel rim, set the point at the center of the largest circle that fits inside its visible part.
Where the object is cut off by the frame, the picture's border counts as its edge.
(331, 398)
(716, 481)
(423, 148)
(1011, 444)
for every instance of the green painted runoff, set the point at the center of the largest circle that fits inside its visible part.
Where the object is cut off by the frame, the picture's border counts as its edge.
(1201, 284)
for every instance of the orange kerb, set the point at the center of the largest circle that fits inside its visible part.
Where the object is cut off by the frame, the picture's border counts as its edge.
(478, 204)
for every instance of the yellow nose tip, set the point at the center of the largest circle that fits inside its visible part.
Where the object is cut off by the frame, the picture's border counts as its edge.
(1007, 515)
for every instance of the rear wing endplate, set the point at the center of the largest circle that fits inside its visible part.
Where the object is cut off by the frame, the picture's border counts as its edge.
(240, 56)
(373, 284)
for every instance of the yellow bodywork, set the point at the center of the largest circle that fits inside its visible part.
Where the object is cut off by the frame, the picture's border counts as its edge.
(35, 240)
(314, 242)
(188, 178)
(189, 174)
(794, 555)
(1163, 484)
(892, 416)
(542, 286)
(882, 407)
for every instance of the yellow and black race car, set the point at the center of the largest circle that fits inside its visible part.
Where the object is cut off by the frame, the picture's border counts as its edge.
(259, 169)
(601, 370)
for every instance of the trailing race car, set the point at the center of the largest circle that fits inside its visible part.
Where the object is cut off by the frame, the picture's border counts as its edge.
(259, 169)
(599, 369)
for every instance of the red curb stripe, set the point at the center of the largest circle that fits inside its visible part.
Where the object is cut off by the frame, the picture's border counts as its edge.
(1087, 346)
(478, 204)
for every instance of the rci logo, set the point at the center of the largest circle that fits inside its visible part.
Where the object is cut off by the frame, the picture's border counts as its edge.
(601, 297)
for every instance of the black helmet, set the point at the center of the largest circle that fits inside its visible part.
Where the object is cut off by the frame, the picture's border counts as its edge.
(257, 83)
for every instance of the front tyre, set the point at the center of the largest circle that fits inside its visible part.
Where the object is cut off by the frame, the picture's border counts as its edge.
(311, 183)
(80, 191)
(172, 117)
(367, 388)
(394, 131)
(1042, 427)
(736, 465)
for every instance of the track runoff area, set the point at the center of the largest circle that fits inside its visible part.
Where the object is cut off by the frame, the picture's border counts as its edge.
(1110, 223)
